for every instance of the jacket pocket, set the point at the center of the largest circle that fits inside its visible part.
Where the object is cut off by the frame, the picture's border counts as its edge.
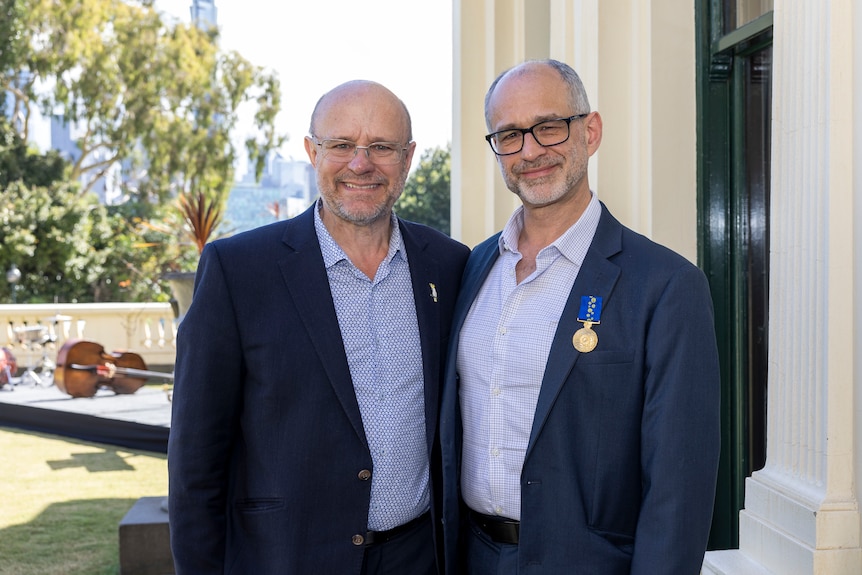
(621, 541)
(262, 505)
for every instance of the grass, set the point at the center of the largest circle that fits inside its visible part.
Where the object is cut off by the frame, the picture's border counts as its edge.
(63, 499)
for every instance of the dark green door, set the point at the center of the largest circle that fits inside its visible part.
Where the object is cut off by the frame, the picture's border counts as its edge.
(734, 66)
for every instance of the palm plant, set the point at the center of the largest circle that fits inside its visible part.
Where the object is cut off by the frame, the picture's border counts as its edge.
(202, 215)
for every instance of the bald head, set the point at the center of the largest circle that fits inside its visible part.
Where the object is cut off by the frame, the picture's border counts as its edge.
(575, 92)
(359, 188)
(361, 91)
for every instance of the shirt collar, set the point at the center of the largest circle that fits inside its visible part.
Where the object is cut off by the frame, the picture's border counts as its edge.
(573, 243)
(332, 252)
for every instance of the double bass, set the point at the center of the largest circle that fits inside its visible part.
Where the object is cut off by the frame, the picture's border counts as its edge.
(84, 366)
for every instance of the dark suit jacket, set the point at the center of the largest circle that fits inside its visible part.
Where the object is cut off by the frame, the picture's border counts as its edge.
(267, 442)
(620, 469)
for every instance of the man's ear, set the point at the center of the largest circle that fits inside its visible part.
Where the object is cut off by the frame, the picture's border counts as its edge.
(311, 150)
(594, 131)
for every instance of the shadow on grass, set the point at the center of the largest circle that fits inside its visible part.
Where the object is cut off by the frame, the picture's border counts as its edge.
(78, 537)
(108, 460)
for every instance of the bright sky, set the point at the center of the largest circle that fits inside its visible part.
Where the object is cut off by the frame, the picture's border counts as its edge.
(316, 45)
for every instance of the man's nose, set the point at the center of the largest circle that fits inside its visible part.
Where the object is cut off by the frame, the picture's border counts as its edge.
(531, 147)
(361, 160)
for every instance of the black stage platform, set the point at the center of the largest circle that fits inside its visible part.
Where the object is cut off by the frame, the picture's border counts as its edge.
(140, 420)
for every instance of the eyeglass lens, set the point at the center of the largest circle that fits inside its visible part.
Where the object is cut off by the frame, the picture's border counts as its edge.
(378, 152)
(548, 133)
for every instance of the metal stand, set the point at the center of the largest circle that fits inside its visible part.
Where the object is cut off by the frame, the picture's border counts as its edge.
(40, 369)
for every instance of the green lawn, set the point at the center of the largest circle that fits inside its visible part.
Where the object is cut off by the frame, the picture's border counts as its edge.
(62, 501)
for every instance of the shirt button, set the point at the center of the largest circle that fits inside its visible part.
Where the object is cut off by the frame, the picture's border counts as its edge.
(495, 452)
(498, 510)
(357, 539)
(364, 475)
(495, 391)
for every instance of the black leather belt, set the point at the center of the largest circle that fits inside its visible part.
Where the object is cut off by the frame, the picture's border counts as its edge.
(377, 537)
(499, 529)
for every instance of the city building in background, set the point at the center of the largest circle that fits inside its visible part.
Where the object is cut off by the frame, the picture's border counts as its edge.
(286, 188)
(107, 188)
(204, 14)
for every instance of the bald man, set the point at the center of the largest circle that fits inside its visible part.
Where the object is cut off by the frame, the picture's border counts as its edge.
(580, 419)
(308, 369)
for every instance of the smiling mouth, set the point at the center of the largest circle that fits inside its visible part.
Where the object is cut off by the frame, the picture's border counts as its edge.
(360, 187)
(538, 171)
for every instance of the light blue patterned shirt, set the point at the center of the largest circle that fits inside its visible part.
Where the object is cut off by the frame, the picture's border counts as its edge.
(380, 333)
(502, 352)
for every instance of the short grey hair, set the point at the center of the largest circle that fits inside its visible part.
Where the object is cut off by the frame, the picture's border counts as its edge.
(577, 94)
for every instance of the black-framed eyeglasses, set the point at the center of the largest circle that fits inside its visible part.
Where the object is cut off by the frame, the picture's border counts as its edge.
(546, 133)
(379, 153)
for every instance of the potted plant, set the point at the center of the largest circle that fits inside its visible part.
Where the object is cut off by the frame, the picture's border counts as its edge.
(200, 215)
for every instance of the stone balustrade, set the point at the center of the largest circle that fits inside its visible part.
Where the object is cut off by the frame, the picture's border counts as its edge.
(34, 331)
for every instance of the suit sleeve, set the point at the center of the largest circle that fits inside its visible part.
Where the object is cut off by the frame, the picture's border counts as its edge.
(680, 435)
(205, 412)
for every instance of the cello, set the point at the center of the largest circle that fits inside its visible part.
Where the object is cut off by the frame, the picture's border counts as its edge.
(84, 366)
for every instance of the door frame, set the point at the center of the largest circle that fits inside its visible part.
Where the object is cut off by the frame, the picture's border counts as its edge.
(723, 243)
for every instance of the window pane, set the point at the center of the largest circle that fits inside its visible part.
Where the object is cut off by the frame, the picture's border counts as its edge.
(740, 12)
(758, 131)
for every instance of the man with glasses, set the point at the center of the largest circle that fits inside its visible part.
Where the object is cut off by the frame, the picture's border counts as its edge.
(306, 398)
(580, 417)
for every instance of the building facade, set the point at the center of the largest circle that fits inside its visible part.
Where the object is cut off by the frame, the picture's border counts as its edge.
(732, 132)
(204, 14)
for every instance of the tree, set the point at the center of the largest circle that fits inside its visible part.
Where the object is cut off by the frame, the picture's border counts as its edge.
(45, 225)
(14, 42)
(427, 191)
(68, 246)
(159, 97)
(17, 163)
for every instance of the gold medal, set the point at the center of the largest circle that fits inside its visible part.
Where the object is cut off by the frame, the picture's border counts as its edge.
(585, 339)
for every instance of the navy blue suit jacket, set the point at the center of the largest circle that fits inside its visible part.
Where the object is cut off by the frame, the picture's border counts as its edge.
(267, 441)
(620, 469)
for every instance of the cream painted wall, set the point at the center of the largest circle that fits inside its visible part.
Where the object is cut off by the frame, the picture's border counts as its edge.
(646, 94)
(857, 250)
(637, 62)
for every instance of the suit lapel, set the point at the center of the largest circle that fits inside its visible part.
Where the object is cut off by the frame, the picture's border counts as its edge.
(597, 276)
(308, 285)
(424, 271)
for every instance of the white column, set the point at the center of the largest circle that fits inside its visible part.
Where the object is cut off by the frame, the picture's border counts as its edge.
(636, 60)
(801, 513)
(488, 37)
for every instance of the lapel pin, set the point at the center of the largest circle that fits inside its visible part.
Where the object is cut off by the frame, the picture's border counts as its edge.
(433, 292)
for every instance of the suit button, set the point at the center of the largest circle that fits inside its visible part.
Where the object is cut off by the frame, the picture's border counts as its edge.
(358, 540)
(364, 475)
